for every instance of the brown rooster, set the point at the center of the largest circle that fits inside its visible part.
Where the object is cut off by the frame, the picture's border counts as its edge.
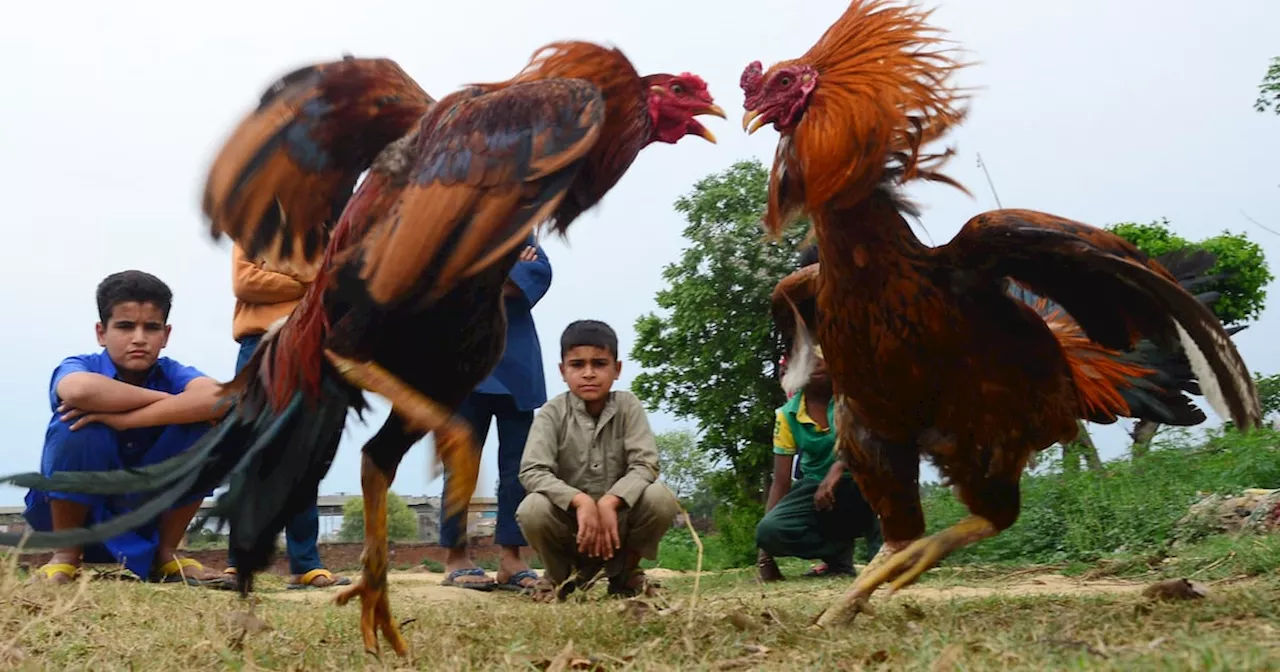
(409, 302)
(929, 353)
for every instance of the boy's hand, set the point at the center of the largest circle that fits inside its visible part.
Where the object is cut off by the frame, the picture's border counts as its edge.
(116, 421)
(588, 524)
(529, 253)
(609, 539)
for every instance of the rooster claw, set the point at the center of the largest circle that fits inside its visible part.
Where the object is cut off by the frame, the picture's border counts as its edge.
(375, 615)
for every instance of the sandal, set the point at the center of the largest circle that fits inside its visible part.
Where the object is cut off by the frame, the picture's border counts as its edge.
(544, 590)
(825, 569)
(308, 580)
(452, 579)
(515, 582)
(174, 572)
(632, 583)
(47, 572)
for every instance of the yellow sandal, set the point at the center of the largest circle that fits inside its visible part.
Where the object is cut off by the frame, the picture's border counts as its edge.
(48, 571)
(308, 580)
(174, 572)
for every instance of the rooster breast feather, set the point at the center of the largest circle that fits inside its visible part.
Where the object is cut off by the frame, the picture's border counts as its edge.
(287, 170)
(1113, 292)
(487, 168)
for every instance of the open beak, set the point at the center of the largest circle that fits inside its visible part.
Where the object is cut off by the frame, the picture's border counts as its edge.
(713, 110)
(748, 119)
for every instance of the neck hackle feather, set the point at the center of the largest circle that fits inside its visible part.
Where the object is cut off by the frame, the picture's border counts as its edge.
(883, 93)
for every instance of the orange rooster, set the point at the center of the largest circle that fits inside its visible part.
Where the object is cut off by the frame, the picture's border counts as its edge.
(929, 353)
(408, 304)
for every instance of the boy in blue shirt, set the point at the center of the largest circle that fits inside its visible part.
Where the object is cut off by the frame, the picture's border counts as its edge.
(123, 407)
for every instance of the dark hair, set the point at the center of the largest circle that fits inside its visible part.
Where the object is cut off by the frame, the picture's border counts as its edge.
(589, 332)
(127, 286)
(808, 256)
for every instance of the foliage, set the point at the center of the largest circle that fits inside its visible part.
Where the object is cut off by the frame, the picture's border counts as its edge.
(402, 522)
(1268, 392)
(1243, 293)
(711, 355)
(1269, 89)
(686, 469)
(1128, 506)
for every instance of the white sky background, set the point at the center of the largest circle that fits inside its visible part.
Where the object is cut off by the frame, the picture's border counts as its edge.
(1098, 110)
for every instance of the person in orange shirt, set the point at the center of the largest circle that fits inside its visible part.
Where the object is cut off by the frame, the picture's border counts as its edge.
(266, 292)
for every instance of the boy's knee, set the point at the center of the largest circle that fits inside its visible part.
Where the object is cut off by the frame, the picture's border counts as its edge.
(533, 514)
(94, 447)
(767, 535)
(658, 501)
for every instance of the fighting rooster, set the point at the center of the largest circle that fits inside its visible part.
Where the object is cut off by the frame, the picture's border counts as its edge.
(928, 351)
(1145, 382)
(408, 304)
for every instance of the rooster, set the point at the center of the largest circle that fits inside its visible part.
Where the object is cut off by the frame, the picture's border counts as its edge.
(1144, 382)
(929, 352)
(408, 304)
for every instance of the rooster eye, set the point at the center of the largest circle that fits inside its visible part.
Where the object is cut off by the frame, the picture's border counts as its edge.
(785, 81)
(677, 89)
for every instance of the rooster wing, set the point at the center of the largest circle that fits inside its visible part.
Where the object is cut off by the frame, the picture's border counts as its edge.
(488, 167)
(1113, 291)
(287, 170)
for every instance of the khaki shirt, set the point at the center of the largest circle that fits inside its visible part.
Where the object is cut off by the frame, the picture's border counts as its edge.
(569, 452)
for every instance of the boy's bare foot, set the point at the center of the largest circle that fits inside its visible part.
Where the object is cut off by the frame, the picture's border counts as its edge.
(544, 591)
(767, 569)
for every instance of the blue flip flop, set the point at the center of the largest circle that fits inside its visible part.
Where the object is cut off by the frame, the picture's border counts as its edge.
(452, 579)
(513, 582)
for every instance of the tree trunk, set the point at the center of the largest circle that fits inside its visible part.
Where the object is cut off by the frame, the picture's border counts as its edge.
(1143, 432)
(1081, 447)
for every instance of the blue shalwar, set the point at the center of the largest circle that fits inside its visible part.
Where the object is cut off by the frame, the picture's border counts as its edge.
(97, 447)
(511, 393)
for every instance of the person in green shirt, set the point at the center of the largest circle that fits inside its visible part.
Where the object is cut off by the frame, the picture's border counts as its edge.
(822, 514)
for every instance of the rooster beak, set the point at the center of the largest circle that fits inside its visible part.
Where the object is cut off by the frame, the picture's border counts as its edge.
(714, 110)
(748, 118)
(704, 133)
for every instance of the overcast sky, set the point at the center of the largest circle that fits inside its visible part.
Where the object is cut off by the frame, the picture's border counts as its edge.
(1098, 110)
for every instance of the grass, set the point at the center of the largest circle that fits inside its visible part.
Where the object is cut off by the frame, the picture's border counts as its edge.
(736, 624)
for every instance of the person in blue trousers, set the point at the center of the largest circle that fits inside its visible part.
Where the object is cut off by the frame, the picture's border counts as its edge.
(514, 390)
(267, 292)
(123, 407)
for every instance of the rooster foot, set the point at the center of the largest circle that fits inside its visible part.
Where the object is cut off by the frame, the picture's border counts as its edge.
(904, 567)
(375, 614)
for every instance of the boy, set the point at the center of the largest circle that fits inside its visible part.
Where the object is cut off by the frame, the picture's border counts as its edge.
(265, 293)
(510, 394)
(123, 407)
(590, 468)
(824, 512)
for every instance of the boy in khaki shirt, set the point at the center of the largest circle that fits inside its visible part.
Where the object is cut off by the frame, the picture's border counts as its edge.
(590, 468)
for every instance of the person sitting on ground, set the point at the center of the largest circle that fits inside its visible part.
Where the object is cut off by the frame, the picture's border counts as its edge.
(823, 513)
(265, 292)
(510, 394)
(123, 407)
(591, 468)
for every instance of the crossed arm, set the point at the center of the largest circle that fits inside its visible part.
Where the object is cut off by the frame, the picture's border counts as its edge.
(91, 397)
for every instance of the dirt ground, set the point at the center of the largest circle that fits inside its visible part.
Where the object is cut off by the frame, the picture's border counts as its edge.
(425, 586)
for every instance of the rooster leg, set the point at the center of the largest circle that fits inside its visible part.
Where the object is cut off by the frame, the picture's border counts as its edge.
(453, 438)
(905, 566)
(375, 608)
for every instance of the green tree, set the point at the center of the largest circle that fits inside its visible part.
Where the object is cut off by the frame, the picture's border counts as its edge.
(402, 522)
(1243, 290)
(1269, 89)
(1268, 392)
(711, 353)
(686, 469)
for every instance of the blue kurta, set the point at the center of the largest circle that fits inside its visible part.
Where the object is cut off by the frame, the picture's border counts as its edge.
(519, 373)
(97, 447)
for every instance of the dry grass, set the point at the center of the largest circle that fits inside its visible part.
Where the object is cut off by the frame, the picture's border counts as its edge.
(1031, 621)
